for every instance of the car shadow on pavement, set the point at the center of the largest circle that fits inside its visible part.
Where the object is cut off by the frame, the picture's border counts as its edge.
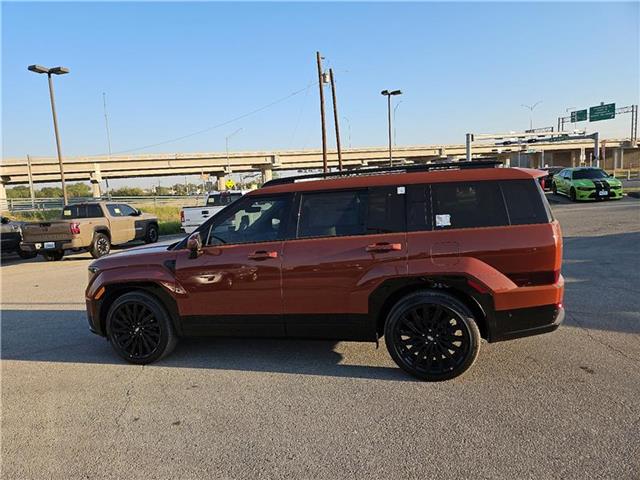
(63, 336)
(602, 282)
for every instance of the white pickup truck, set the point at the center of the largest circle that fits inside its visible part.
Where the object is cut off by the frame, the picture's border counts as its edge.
(192, 217)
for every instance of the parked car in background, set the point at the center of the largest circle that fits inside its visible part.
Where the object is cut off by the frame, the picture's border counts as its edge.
(587, 183)
(433, 260)
(547, 181)
(11, 237)
(91, 226)
(192, 217)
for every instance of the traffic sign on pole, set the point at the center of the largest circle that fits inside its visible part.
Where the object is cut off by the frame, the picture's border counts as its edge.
(602, 112)
(579, 116)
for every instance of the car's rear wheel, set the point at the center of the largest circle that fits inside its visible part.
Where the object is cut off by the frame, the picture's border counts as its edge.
(53, 255)
(152, 234)
(24, 254)
(139, 328)
(572, 194)
(100, 246)
(432, 336)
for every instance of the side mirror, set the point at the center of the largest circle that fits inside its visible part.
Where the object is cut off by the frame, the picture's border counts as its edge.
(194, 245)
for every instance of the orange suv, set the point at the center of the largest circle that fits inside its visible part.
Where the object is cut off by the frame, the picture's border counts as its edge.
(434, 258)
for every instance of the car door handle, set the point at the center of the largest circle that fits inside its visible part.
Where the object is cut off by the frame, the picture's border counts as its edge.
(384, 247)
(262, 255)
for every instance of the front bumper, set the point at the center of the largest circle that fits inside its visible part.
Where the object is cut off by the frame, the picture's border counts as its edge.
(593, 195)
(524, 322)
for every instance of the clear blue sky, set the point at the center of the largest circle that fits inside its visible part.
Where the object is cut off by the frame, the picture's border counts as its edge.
(170, 69)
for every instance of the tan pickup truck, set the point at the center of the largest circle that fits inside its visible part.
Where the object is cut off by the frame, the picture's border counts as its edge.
(89, 226)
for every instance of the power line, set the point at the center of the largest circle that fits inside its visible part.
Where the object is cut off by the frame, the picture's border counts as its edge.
(227, 122)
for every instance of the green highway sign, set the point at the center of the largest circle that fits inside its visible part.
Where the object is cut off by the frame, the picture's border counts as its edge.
(579, 116)
(602, 112)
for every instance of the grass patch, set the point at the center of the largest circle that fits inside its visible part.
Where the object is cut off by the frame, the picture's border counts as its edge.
(36, 215)
(169, 228)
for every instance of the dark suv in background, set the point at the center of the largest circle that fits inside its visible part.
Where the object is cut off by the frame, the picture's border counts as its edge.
(433, 258)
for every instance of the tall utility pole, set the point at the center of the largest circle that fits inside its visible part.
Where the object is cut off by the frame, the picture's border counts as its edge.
(49, 72)
(335, 117)
(324, 129)
(106, 125)
(30, 176)
(389, 94)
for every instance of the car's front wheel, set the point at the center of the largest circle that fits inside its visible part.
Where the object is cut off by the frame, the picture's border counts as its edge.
(572, 194)
(432, 336)
(554, 188)
(139, 328)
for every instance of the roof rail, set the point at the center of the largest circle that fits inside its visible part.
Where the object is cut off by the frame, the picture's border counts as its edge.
(380, 170)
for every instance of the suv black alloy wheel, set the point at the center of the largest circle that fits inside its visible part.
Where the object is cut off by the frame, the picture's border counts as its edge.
(139, 328)
(432, 336)
(151, 235)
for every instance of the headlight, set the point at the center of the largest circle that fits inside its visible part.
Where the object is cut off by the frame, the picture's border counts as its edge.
(93, 271)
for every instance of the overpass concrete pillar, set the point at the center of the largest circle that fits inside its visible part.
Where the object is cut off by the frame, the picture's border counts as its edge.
(3, 197)
(267, 174)
(220, 180)
(95, 180)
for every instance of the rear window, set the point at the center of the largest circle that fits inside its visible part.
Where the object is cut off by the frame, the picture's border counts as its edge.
(222, 199)
(525, 202)
(82, 211)
(468, 205)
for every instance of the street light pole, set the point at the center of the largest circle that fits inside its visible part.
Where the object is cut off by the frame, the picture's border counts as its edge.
(389, 94)
(49, 72)
(530, 108)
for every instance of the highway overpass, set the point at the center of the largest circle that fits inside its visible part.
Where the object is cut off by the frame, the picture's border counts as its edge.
(97, 168)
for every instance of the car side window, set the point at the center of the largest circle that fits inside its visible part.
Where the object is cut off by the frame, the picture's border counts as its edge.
(257, 219)
(114, 210)
(468, 205)
(386, 209)
(525, 202)
(418, 208)
(332, 214)
(94, 211)
(126, 210)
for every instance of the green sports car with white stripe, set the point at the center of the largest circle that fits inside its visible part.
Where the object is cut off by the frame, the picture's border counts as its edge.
(586, 183)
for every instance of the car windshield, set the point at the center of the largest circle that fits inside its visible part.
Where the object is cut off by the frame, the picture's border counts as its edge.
(590, 174)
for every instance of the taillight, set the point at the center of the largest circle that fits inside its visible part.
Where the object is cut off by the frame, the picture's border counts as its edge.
(542, 182)
(75, 228)
(181, 216)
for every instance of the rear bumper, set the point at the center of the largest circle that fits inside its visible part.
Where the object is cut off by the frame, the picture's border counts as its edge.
(58, 245)
(524, 322)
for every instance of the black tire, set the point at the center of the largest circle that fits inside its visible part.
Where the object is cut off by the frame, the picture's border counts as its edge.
(53, 255)
(23, 254)
(151, 236)
(554, 188)
(100, 246)
(572, 194)
(426, 323)
(139, 328)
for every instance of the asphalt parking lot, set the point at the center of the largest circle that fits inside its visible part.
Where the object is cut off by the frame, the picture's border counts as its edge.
(563, 405)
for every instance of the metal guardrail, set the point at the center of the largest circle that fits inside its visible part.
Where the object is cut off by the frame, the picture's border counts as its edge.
(39, 204)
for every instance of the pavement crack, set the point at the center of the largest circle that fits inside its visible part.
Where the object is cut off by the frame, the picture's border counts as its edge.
(601, 342)
(128, 396)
